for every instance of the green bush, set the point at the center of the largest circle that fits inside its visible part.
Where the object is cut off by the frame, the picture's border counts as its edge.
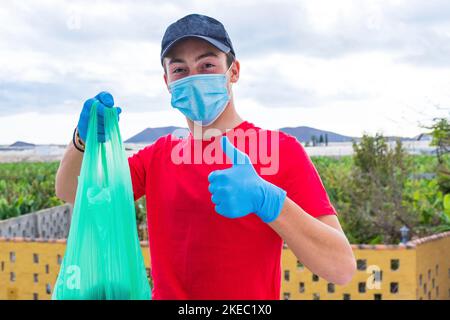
(27, 187)
(375, 192)
(30, 186)
(379, 189)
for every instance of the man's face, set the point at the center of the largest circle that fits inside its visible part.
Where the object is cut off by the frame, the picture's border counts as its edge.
(193, 56)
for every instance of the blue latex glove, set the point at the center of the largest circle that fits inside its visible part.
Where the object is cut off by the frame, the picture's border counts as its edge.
(239, 190)
(105, 99)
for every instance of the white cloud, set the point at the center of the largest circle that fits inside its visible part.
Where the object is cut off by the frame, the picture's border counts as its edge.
(345, 66)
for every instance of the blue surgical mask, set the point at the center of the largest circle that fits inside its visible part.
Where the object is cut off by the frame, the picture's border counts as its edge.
(201, 97)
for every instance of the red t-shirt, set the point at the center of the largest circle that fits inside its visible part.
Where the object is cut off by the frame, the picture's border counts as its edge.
(197, 253)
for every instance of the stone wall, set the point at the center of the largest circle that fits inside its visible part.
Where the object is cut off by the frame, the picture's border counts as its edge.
(52, 223)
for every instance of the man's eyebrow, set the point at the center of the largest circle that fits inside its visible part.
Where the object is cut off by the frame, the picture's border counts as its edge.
(207, 54)
(175, 60)
(204, 55)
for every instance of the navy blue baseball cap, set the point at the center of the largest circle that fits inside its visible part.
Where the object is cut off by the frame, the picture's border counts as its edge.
(197, 26)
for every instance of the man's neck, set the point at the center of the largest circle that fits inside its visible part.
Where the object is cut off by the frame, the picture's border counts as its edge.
(229, 119)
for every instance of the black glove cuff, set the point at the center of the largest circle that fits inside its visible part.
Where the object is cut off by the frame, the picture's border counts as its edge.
(74, 143)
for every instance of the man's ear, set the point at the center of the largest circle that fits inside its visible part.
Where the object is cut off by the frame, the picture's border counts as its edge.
(235, 70)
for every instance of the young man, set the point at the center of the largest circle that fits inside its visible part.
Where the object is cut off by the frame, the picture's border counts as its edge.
(221, 201)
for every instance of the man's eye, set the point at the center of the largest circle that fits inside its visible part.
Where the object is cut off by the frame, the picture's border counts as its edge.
(178, 70)
(209, 65)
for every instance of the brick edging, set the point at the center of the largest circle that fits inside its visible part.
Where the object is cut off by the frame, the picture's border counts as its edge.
(25, 239)
(409, 245)
(433, 237)
(22, 239)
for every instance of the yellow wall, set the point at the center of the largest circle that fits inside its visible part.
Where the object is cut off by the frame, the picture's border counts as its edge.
(31, 277)
(25, 268)
(433, 270)
(375, 260)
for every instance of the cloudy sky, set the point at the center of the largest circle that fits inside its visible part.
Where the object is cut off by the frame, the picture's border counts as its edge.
(345, 66)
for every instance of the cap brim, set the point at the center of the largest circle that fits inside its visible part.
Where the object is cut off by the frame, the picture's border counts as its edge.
(219, 45)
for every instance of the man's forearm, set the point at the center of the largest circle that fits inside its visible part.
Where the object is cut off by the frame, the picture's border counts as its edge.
(321, 248)
(67, 175)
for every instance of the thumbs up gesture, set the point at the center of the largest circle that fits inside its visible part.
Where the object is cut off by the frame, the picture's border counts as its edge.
(239, 190)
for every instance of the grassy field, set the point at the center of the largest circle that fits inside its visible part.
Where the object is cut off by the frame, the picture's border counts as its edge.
(29, 186)
(26, 187)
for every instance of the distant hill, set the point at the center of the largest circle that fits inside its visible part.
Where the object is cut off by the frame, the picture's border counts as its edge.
(304, 134)
(301, 133)
(150, 135)
(423, 137)
(21, 144)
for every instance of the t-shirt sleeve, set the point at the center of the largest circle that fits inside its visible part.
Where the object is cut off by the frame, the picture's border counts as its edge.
(139, 164)
(302, 181)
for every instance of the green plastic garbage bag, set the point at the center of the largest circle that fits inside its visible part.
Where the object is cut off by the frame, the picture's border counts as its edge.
(103, 258)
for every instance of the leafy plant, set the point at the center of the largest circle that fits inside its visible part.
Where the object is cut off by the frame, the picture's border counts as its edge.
(30, 186)
(27, 187)
(381, 188)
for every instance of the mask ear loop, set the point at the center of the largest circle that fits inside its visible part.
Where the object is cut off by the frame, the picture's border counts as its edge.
(225, 74)
(229, 68)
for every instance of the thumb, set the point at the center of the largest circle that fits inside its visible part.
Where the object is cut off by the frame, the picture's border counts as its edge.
(236, 156)
(119, 111)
